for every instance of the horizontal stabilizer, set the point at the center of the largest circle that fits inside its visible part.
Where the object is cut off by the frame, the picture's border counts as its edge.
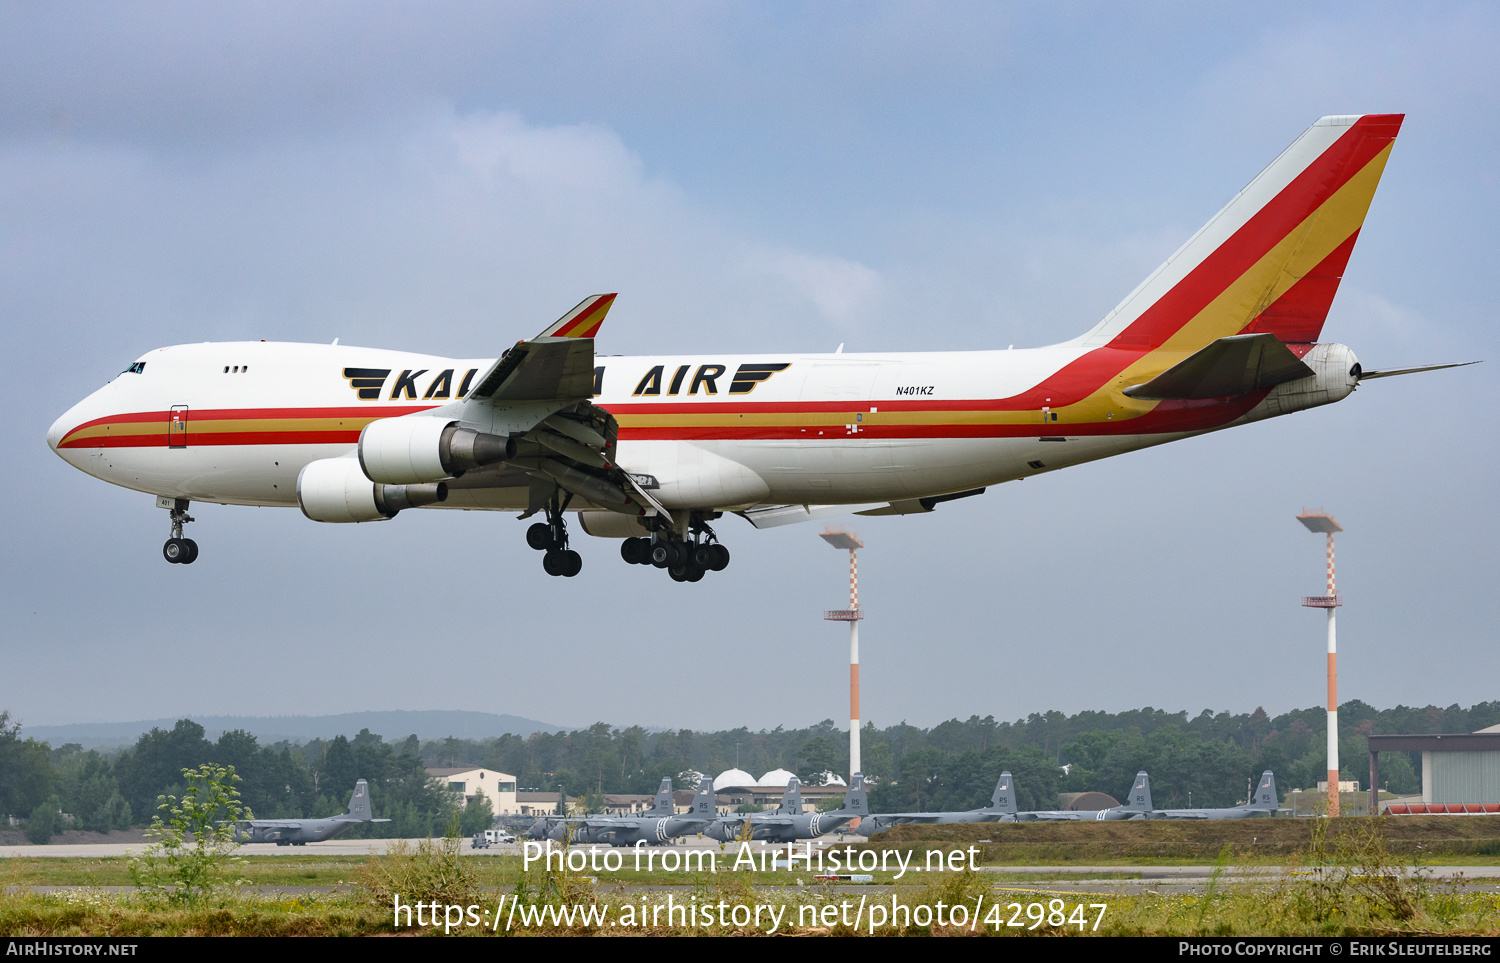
(1392, 372)
(1229, 366)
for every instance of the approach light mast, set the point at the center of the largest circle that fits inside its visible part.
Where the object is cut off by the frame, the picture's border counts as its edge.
(1323, 523)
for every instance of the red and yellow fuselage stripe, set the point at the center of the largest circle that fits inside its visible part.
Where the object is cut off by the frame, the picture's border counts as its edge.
(232, 426)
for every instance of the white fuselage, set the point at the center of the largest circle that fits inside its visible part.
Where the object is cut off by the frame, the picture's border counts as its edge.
(235, 423)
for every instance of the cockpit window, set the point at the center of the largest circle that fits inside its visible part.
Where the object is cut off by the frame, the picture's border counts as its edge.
(136, 368)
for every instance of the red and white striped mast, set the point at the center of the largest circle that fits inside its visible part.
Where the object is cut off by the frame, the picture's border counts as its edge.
(846, 540)
(1324, 524)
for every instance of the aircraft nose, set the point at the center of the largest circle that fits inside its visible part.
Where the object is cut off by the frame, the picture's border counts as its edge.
(58, 429)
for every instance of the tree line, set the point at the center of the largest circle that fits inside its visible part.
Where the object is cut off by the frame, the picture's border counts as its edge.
(101, 791)
(953, 765)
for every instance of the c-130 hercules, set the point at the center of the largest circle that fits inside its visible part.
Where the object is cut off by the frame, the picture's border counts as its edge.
(300, 832)
(654, 450)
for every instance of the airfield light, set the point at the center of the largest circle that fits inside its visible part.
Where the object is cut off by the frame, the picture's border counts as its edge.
(1323, 524)
(847, 541)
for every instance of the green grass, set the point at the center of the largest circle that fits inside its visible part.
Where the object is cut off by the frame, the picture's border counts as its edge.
(1263, 912)
(1341, 877)
(1462, 840)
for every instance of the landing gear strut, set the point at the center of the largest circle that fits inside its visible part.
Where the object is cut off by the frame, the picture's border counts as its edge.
(179, 550)
(685, 559)
(551, 537)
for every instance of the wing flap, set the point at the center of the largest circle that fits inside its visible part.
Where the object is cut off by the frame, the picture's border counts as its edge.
(774, 516)
(1226, 367)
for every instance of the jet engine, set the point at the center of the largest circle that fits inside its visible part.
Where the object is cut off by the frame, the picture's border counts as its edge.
(336, 490)
(408, 451)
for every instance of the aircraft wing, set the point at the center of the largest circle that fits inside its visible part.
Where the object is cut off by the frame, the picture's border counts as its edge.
(556, 364)
(1226, 367)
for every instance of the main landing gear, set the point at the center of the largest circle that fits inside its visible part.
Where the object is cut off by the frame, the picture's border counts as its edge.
(685, 559)
(179, 550)
(551, 537)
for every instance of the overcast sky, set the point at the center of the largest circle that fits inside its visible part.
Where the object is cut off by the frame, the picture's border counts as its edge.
(448, 178)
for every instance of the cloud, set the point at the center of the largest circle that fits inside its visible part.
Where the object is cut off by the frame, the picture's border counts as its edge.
(843, 290)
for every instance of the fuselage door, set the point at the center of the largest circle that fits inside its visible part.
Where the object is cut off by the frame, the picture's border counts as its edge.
(177, 427)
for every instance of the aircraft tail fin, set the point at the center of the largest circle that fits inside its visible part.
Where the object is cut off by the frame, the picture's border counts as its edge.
(1272, 259)
(1004, 799)
(663, 802)
(855, 800)
(703, 803)
(1140, 794)
(791, 800)
(1265, 794)
(359, 803)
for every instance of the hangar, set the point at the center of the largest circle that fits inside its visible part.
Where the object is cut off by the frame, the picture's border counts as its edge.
(1460, 771)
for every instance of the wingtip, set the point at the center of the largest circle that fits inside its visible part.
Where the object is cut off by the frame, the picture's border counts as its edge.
(584, 320)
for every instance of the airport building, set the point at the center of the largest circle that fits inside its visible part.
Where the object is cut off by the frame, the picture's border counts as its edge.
(1460, 771)
(736, 787)
(498, 787)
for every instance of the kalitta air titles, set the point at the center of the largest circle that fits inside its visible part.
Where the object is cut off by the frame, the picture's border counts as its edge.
(1224, 334)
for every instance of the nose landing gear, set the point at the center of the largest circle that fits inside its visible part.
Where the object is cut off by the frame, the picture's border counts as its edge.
(179, 550)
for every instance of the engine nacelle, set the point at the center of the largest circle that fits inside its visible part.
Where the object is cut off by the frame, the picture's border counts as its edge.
(336, 490)
(413, 450)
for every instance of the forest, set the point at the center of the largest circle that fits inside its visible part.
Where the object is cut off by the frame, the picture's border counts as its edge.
(950, 766)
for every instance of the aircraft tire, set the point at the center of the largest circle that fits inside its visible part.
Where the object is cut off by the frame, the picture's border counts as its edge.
(572, 563)
(174, 551)
(703, 556)
(679, 573)
(539, 537)
(661, 554)
(721, 558)
(636, 551)
(695, 573)
(552, 563)
(192, 551)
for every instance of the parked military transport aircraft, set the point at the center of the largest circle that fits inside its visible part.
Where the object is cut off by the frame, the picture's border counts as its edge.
(300, 832)
(1265, 802)
(789, 823)
(1002, 809)
(1138, 807)
(653, 450)
(655, 826)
